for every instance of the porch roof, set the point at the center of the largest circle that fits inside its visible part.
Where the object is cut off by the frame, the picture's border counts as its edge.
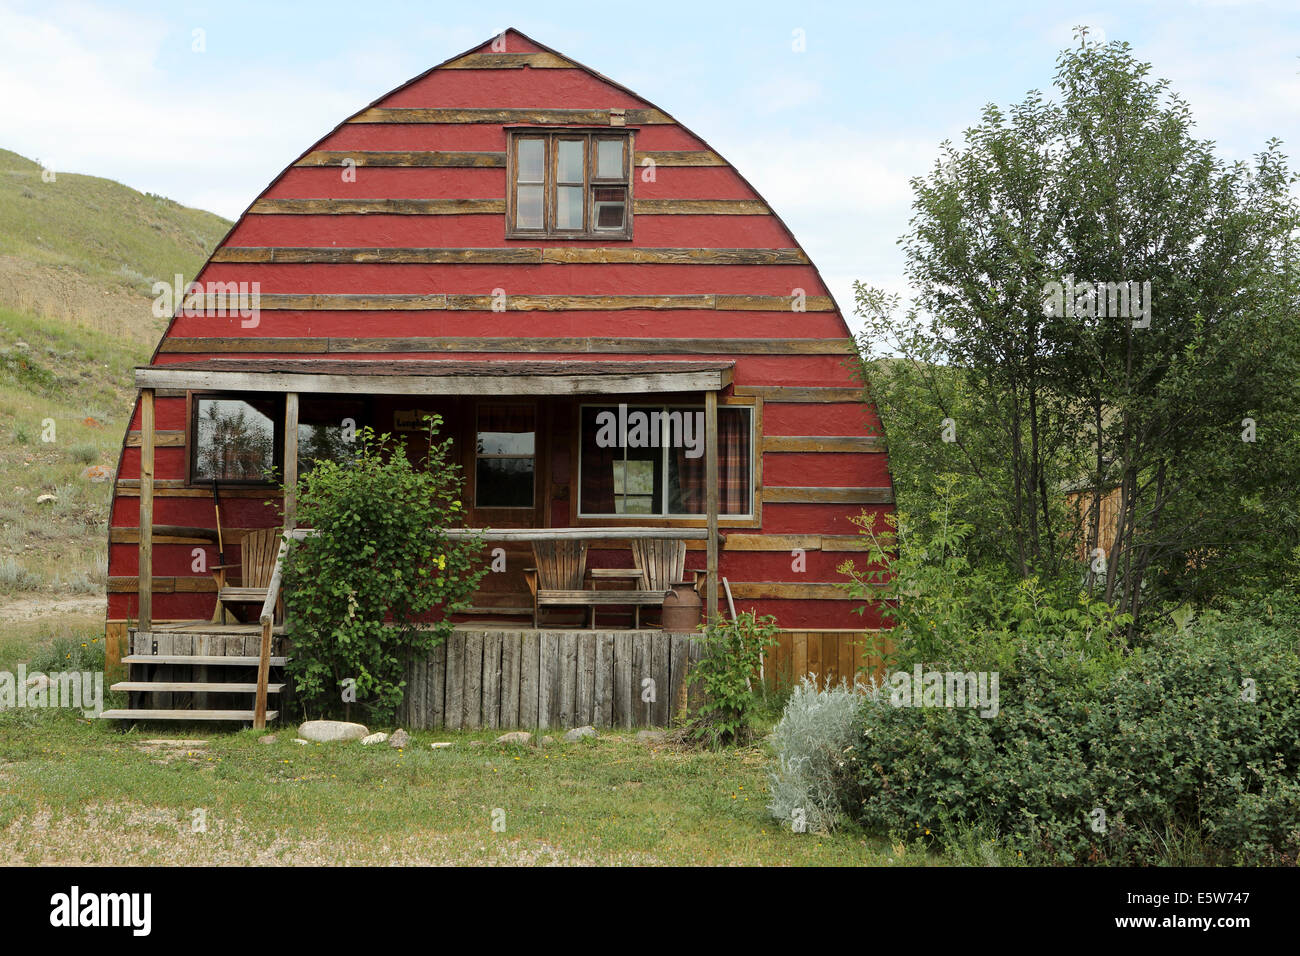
(439, 377)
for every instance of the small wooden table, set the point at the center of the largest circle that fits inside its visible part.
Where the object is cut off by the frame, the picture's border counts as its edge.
(632, 575)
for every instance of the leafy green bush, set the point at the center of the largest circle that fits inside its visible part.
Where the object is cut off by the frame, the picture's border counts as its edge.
(944, 607)
(1169, 752)
(1206, 728)
(379, 580)
(811, 739)
(1021, 774)
(732, 652)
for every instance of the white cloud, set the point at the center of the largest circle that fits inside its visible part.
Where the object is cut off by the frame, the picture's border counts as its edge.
(85, 92)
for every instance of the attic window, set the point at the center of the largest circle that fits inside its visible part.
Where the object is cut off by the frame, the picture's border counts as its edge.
(570, 184)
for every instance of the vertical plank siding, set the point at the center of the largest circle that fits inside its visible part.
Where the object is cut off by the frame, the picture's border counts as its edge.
(553, 680)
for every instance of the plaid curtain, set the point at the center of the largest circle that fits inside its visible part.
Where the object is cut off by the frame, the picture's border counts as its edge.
(690, 480)
(733, 461)
(733, 467)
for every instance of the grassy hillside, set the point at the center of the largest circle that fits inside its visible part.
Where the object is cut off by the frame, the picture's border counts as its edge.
(77, 259)
(86, 251)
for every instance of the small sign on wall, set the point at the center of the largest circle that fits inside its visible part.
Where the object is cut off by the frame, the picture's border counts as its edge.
(409, 420)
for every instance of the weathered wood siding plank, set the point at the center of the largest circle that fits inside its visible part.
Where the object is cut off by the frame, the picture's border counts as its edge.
(679, 659)
(511, 649)
(453, 702)
(472, 701)
(586, 698)
(603, 707)
(568, 679)
(642, 683)
(529, 679)
(492, 696)
(660, 672)
(624, 699)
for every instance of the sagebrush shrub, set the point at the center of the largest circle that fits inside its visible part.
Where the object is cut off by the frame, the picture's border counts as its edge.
(811, 783)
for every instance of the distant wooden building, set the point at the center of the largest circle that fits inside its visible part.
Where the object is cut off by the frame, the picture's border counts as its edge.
(526, 248)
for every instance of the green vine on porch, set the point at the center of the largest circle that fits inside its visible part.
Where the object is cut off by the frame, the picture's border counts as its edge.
(377, 582)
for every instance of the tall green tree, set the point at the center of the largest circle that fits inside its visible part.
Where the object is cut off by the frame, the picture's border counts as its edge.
(1103, 301)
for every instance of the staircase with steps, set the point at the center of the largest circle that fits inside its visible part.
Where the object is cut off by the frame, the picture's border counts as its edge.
(197, 671)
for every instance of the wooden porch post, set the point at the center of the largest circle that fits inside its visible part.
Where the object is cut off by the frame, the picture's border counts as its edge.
(711, 500)
(144, 573)
(290, 459)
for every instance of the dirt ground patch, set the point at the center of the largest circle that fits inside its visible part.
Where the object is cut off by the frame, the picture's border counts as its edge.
(32, 608)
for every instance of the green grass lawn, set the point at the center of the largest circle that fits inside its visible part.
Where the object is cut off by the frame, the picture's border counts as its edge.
(75, 791)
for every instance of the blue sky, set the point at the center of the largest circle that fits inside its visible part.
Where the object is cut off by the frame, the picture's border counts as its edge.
(829, 135)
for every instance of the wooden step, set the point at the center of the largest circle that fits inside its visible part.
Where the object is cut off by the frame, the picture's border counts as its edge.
(199, 660)
(146, 714)
(193, 687)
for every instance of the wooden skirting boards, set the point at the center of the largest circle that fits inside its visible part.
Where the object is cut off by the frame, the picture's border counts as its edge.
(557, 679)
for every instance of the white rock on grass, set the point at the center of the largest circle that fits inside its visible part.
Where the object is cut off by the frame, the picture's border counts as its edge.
(267, 739)
(328, 731)
(43, 499)
(577, 733)
(299, 740)
(374, 739)
(400, 740)
(441, 745)
(520, 738)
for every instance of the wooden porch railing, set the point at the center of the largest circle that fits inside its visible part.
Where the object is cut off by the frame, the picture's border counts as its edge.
(267, 617)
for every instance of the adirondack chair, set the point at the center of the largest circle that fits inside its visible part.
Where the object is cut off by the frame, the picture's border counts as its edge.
(258, 551)
(661, 561)
(558, 578)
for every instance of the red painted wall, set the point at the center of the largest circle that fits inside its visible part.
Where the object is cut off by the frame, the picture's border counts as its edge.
(534, 89)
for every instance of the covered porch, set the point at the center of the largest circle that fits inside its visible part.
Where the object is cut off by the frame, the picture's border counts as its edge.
(517, 420)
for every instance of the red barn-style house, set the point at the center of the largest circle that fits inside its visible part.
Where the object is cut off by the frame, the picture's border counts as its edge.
(564, 273)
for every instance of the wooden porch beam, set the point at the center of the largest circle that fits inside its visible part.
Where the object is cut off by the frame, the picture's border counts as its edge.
(711, 500)
(290, 460)
(469, 384)
(145, 573)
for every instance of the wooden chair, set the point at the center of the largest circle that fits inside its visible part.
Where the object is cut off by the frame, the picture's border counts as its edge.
(661, 561)
(558, 577)
(258, 551)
